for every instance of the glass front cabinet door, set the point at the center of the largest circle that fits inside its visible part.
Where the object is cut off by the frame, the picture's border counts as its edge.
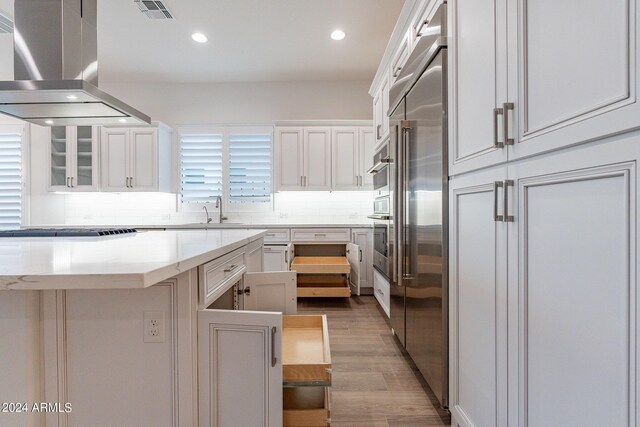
(73, 158)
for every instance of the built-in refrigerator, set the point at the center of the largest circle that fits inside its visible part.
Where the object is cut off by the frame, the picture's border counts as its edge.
(419, 288)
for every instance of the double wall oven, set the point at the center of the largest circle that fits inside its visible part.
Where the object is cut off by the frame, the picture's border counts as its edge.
(382, 211)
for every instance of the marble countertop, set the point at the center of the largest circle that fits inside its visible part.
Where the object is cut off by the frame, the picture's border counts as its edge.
(128, 261)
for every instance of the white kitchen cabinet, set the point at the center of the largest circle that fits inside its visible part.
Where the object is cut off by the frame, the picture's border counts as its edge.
(363, 238)
(136, 159)
(569, 83)
(382, 292)
(421, 19)
(274, 291)
(543, 290)
(380, 111)
(289, 158)
(73, 158)
(345, 161)
(277, 236)
(477, 83)
(320, 235)
(400, 57)
(239, 368)
(366, 143)
(277, 257)
(478, 307)
(254, 257)
(303, 158)
(317, 158)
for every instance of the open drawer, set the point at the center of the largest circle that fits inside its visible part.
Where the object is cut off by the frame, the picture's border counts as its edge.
(321, 265)
(306, 357)
(323, 286)
(306, 406)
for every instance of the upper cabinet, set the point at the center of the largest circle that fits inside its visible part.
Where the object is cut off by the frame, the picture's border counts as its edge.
(136, 159)
(73, 158)
(400, 58)
(380, 110)
(477, 83)
(323, 158)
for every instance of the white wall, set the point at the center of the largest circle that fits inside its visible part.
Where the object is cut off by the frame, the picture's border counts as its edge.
(182, 104)
(210, 103)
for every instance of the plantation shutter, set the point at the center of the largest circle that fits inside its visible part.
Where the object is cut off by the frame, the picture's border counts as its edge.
(201, 168)
(10, 181)
(250, 168)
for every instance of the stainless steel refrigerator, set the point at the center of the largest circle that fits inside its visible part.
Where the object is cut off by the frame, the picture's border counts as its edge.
(419, 288)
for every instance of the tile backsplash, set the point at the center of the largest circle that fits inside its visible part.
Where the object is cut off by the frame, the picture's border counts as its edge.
(308, 207)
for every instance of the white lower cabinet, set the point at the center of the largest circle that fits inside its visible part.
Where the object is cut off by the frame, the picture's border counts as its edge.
(382, 291)
(239, 368)
(544, 304)
(363, 238)
(277, 257)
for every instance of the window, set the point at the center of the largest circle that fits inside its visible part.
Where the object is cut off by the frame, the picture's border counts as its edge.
(10, 181)
(232, 162)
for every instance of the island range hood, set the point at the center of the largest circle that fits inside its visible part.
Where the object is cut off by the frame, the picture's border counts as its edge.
(56, 68)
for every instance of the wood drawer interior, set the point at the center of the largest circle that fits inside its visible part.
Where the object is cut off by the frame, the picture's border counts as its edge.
(320, 265)
(323, 286)
(306, 356)
(306, 406)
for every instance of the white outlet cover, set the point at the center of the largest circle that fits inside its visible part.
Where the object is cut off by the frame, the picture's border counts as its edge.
(153, 326)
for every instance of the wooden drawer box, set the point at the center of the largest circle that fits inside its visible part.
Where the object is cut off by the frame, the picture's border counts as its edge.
(320, 235)
(277, 235)
(215, 275)
(306, 406)
(306, 357)
(323, 286)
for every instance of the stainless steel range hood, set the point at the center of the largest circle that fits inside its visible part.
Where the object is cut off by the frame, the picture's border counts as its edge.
(56, 68)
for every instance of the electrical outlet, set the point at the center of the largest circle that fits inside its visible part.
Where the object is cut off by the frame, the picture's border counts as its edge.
(284, 215)
(153, 330)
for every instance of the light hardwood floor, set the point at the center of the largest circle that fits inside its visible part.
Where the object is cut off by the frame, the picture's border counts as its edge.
(374, 382)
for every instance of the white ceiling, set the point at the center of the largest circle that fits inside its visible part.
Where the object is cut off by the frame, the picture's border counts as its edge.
(249, 40)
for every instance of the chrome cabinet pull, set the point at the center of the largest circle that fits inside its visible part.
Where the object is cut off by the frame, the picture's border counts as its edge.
(131, 181)
(360, 255)
(396, 73)
(378, 131)
(496, 217)
(508, 183)
(419, 30)
(71, 182)
(507, 106)
(68, 182)
(273, 346)
(301, 182)
(230, 268)
(497, 112)
(320, 235)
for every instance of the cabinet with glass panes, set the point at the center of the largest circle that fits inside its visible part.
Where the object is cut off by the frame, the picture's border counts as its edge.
(73, 159)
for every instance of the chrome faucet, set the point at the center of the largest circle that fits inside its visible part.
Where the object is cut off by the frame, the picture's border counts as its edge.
(219, 205)
(208, 217)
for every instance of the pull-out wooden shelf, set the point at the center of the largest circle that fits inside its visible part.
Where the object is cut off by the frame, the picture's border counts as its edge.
(306, 357)
(306, 406)
(321, 265)
(322, 276)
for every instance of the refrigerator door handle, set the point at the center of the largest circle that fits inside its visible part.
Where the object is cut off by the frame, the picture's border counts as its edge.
(404, 266)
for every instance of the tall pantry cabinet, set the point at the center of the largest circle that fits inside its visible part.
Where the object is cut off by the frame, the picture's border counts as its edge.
(543, 154)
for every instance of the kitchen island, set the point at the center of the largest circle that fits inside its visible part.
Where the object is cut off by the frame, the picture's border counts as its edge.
(105, 329)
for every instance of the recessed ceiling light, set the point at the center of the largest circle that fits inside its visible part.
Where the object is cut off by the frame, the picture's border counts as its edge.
(199, 37)
(338, 35)
(72, 97)
(48, 122)
(122, 120)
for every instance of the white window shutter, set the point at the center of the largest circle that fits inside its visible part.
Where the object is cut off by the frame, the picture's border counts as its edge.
(10, 181)
(201, 168)
(249, 168)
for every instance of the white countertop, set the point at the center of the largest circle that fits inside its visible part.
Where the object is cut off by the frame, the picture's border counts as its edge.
(129, 261)
(200, 226)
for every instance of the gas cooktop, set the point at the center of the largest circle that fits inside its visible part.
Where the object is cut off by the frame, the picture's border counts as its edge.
(66, 232)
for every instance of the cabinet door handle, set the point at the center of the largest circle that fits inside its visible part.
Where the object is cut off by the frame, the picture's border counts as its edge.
(273, 347)
(360, 255)
(71, 182)
(508, 183)
(496, 217)
(378, 131)
(301, 182)
(68, 182)
(497, 112)
(396, 73)
(131, 182)
(507, 106)
(419, 30)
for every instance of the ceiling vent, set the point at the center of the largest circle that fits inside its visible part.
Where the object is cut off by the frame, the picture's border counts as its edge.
(154, 9)
(6, 24)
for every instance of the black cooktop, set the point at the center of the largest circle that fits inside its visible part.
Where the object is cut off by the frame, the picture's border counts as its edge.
(66, 232)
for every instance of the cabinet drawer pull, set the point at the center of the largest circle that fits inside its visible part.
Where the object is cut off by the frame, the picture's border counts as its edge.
(497, 112)
(507, 218)
(507, 106)
(419, 30)
(496, 217)
(396, 73)
(231, 268)
(273, 347)
(271, 234)
(320, 235)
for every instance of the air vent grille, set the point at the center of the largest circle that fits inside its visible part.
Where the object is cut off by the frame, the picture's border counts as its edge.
(154, 9)
(6, 25)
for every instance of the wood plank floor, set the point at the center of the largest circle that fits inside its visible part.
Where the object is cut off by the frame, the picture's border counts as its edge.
(375, 383)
